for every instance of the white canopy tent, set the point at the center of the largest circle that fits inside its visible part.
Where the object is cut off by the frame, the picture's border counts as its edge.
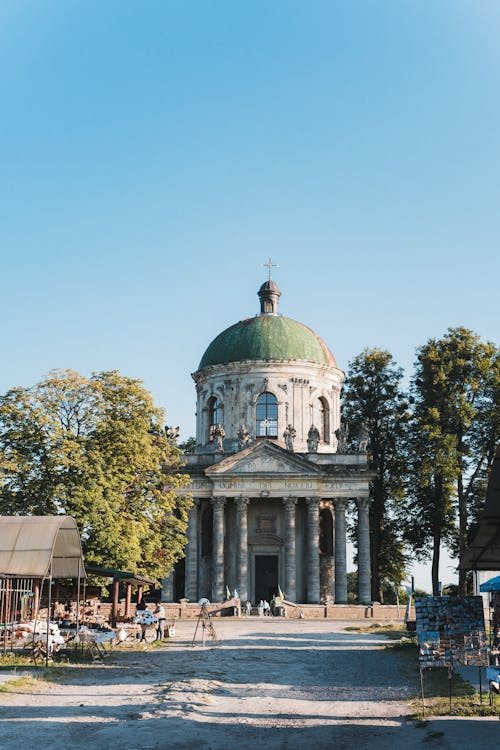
(40, 546)
(36, 548)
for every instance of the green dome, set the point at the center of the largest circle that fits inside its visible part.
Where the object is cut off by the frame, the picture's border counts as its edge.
(267, 337)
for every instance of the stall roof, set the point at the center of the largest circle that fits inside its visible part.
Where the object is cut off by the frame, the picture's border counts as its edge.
(120, 575)
(37, 546)
(493, 584)
(483, 553)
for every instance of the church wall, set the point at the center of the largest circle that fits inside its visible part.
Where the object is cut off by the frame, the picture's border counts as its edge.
(296, 385)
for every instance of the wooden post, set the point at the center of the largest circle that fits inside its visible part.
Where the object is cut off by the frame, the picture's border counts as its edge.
(114, 607)
(128, 598)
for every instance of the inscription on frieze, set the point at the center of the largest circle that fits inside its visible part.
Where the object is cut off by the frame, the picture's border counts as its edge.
(198, 484)
(228, 485)
(334, 485)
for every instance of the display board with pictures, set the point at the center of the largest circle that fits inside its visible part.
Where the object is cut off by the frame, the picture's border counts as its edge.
(450, 631)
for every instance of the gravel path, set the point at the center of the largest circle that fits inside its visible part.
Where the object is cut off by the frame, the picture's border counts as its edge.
(270, 684)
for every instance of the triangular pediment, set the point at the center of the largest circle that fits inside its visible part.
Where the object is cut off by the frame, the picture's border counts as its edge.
(263, 458)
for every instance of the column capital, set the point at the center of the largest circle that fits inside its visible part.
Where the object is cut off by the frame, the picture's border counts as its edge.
(196, 503)
(363, 503)
(313, 501)
(289, 502)
(218, 502)
(242, 502)
(341, 503)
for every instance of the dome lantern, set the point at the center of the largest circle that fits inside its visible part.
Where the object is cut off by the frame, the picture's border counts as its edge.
(269, 295)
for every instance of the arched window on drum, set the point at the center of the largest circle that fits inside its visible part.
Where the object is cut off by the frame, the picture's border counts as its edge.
(214, 414)
(324, 420)
(266, 416)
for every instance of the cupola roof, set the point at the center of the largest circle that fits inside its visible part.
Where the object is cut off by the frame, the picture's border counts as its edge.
(267, 336)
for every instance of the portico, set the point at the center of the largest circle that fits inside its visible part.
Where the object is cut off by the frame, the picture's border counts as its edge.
(277, 512)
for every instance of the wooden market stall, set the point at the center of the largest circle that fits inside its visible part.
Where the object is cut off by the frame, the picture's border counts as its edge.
(483, 554)
(34, 551)
(121, 577)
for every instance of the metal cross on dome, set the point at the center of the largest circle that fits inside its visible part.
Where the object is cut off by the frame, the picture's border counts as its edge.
(270, 265)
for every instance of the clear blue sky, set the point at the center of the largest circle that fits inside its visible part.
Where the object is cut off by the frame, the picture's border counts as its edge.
(154, 154)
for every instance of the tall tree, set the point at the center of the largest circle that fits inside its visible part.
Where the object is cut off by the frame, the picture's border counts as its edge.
(455, 429)
(373, 400)
(95, 448)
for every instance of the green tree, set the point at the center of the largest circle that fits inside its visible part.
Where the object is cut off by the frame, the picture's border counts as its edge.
(373, 399)
(455, 428)
(95, 448)
(188, 446)
(429, 518)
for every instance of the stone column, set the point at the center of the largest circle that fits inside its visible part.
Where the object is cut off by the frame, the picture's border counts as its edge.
(312, 550)
(191, 583)
(340, 552)
(242, 549)
(167, 588)
(364, 569)
(218, 550)
(290, 582)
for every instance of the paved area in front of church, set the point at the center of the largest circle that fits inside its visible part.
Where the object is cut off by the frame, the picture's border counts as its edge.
(271, 683)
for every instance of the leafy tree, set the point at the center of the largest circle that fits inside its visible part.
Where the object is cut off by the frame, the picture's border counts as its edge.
(94, 448)
(455, 428)
(373, 400)
(352, 587)
(429, 519)
(188, 446)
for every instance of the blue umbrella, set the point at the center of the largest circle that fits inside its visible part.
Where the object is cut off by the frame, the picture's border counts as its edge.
(492, 585)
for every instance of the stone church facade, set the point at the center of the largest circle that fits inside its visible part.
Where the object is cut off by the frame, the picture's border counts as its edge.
(271, 477)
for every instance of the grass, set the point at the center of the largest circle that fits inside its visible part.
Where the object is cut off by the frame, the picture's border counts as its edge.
(395, 632)
(465, 700)
(18, 684)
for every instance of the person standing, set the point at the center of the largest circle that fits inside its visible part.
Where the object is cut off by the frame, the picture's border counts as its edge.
(159, 613)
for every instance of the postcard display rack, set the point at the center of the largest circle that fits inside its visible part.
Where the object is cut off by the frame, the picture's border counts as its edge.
(450, 633)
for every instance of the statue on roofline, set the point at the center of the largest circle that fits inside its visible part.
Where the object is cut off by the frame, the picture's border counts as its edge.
(218, 435)
(342, 435)
(364, 438)
(244, 437)
(289, 436)
(313, 439)
(172, 434)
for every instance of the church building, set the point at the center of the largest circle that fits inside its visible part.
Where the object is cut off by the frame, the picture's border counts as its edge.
(271, 476)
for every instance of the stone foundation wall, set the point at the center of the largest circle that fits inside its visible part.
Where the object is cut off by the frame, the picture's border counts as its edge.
(374, 612)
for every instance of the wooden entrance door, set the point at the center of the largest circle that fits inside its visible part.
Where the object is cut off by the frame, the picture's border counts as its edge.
(266, 577)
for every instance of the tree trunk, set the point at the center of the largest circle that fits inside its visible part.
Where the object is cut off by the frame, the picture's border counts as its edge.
(462, 530)
(435, 560)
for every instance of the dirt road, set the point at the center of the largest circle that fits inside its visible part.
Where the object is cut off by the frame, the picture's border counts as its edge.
(271, 683)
